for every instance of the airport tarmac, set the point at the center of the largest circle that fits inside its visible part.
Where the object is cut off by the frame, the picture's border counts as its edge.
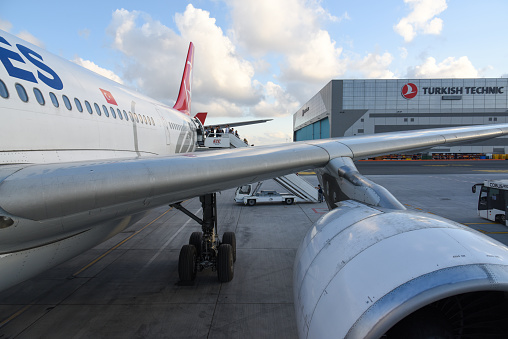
(128, 287)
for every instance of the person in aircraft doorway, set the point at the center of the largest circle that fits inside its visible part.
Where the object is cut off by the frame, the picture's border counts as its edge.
(320, 193)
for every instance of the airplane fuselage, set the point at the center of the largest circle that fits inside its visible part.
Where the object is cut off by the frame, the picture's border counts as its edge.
(56, 111)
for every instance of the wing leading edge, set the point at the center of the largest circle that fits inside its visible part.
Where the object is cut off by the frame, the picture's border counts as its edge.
(116, 188)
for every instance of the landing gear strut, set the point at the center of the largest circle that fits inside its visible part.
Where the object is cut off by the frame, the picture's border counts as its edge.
(205, 250)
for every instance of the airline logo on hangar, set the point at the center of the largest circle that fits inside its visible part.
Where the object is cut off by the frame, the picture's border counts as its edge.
(409, 90)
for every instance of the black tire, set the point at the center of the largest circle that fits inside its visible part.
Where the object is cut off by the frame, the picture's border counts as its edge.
(288, 201)
(225, 271)
(196, 239)
(501, 218)
(230, 238)
(187, 264)
(251, 202)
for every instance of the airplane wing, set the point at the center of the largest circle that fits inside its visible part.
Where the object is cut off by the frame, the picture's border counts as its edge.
(111, 189)
(240, 123)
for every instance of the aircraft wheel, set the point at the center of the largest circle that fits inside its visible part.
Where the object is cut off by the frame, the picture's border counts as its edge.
(187, 264)
(196, 239)
(289, 201)
(230, 238)
(225, 270)
(251, 202)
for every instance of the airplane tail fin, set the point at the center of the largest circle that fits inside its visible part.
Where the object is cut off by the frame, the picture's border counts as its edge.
(183, 102)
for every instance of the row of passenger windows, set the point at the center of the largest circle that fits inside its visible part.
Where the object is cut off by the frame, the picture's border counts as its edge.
(4, 93)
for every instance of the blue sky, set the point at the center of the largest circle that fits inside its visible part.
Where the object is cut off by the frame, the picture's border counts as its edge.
(265, 58)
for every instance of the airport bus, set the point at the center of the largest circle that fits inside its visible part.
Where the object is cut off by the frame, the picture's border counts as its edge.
(493, 200)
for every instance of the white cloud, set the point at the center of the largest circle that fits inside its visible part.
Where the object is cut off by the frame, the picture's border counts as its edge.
(155, 54)
(30, 38)
(5, 25)
(267, 26)
(374, 66)
(448, 68)
(422, 19)
(99, 70)
(276, 102)
(403, 52)
(84, 33)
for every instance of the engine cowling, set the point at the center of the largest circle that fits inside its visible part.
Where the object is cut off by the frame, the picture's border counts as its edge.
(364, 272)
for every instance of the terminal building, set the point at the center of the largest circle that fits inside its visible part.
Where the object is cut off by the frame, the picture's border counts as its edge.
(361, 107)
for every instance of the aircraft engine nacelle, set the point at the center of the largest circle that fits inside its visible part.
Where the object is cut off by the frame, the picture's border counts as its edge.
(363, 272)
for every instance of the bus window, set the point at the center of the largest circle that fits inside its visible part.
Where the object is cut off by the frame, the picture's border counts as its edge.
(496, 199)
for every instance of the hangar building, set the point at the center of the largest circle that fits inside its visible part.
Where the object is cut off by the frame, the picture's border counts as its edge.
(359, 107)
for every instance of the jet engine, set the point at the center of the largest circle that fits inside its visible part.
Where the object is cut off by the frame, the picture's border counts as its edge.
(372, 272)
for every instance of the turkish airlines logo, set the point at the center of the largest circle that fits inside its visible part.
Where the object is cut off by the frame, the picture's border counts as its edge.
(109, 97)
(409, 91)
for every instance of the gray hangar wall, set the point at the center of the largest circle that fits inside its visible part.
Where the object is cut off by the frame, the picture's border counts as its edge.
(359, 107)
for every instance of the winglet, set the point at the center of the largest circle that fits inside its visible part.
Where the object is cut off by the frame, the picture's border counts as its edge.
(184, 96)
(201, 117)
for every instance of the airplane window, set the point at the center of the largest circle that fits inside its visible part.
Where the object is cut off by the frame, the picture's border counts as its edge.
(54, 100)
(88, 107)
(125, 115)
(119, 114)
(67, 102)
(21, 93)
(97, 109)
(78, 105)
(38, 96)
(4, 93)
(105, 110)
(112, 112)
(130, 114)
(153, 122)
(145, 120)
(136, 116)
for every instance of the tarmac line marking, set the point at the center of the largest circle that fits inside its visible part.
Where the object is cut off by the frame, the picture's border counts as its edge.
(479, 223)
(487, 232)
(317, 210)
(119, 244)
(492, 171)
(15, 315)
(167, 242)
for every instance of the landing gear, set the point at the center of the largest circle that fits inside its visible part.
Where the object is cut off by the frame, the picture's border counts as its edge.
(205, 250)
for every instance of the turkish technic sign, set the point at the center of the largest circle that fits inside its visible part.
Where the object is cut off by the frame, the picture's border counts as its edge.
(410, 90)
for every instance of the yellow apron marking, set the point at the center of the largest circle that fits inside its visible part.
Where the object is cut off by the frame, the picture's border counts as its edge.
(492, 171)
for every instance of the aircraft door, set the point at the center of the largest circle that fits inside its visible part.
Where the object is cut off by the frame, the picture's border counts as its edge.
(166, 126)
(483, 202)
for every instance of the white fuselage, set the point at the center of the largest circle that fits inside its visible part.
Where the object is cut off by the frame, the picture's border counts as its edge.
(42, 133)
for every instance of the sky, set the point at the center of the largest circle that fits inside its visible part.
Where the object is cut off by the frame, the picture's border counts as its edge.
(265, 58)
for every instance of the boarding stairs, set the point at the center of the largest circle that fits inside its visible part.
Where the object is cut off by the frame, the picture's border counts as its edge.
(298, 186)
(223, 140)
(295, 184)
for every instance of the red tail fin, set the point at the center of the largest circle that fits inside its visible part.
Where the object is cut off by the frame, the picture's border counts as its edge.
(183, 102)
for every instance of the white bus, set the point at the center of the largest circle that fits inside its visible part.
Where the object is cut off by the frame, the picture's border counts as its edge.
(493, 200)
